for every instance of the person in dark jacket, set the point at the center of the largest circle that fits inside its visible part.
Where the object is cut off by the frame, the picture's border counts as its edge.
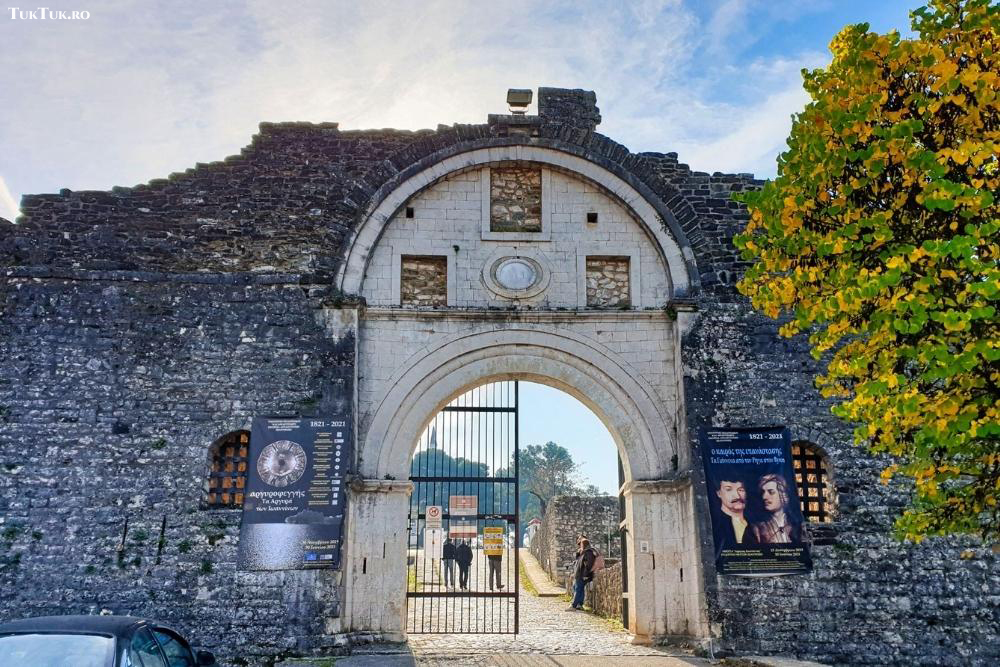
(583, 573)
(448, 563)
(463, 555)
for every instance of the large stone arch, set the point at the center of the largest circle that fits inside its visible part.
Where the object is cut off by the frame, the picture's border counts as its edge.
(606, 384)
(659, 500)
(646, 207)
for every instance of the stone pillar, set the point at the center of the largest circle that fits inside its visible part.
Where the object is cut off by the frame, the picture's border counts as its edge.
(664, 563)
(375, 565)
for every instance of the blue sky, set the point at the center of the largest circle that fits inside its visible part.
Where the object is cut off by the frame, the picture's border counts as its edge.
(545, 414)
(143, 89)
(549, 414)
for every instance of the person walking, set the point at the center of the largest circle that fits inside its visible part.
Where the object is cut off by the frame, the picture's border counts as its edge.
(463, 556)
(448, 563)
(583, 573)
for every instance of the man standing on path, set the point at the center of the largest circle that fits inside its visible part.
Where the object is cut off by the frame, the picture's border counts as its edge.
(583, 574)
(463, 554)
(448, 563)
(495, 560)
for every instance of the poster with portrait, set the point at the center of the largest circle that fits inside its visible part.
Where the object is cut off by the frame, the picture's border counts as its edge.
(757, 522)
(295, 500)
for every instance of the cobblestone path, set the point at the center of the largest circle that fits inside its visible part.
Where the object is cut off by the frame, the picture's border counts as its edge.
(546, 627)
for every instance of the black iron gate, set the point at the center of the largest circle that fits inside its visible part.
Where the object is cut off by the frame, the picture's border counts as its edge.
(464, 474)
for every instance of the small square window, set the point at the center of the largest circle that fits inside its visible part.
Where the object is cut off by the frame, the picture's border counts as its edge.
(409, 211)
(592, 217)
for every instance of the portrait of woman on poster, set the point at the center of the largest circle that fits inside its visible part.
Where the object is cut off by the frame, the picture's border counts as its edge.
(783, 525)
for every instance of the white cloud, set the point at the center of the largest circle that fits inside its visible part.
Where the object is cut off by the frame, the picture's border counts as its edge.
(142, 90)
(755, 139)
(8, 207)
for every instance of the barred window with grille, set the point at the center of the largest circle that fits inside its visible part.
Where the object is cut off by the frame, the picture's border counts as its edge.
(227, 471)
(813, 480)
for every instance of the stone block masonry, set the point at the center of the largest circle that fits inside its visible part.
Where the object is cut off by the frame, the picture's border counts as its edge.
(608, 282)
(424, 281)
(515, 199)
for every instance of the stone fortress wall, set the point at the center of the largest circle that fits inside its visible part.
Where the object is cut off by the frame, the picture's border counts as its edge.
(554, 544)
(554, 547)
(139, 325)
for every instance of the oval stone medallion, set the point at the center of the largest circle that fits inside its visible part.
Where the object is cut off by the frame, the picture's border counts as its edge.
(516, 274)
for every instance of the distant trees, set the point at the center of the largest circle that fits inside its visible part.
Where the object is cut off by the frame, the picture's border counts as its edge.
(547, 471)
(544, 472)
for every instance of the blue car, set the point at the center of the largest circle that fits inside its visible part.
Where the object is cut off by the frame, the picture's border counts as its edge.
(95, 641)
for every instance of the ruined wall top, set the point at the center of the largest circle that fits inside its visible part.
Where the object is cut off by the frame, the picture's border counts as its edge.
(289, 202)
(577, 108)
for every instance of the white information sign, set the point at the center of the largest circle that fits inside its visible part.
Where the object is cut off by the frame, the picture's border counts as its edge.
(432, 517)
(433, 543)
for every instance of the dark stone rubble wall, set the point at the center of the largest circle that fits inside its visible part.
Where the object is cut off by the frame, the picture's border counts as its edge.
(111, 392)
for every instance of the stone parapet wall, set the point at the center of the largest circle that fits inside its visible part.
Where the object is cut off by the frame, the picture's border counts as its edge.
(604, 594)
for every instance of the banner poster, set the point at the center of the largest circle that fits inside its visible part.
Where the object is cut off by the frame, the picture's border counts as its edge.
(293, 510)
(757, 521)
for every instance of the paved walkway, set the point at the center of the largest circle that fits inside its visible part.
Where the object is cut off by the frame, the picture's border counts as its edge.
(550, 635)
(538, 577)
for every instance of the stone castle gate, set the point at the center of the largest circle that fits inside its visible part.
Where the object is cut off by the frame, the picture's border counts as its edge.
(381, 273)
(439, 321)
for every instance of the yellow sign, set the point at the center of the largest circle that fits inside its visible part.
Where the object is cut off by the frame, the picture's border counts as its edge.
(493, 540)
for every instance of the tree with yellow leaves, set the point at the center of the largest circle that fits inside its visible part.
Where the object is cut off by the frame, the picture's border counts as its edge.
(880, 237)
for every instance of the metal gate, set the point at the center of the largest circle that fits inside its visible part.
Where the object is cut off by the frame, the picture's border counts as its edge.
(464, 474)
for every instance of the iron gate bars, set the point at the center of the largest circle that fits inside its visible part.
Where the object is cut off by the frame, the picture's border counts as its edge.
(466, 465)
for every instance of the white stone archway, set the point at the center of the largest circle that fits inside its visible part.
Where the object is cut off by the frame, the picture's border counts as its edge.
(663, 602)
(623, 364)
(598, 378)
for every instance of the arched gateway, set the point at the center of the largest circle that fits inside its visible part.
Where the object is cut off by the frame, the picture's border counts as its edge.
(376, 274)
(531, 263)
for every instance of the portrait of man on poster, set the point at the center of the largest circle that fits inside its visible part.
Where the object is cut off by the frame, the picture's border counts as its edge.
(782, 525)
(732, 529)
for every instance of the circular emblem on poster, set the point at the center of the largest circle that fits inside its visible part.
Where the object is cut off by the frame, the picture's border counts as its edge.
(281, 463)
